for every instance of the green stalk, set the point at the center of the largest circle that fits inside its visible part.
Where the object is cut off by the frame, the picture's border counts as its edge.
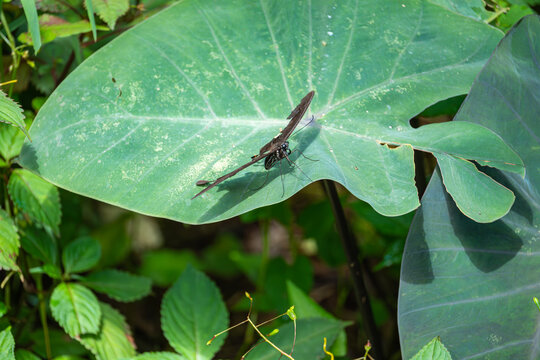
(43, 316)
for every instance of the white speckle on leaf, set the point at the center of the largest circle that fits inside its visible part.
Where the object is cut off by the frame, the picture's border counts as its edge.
(330, 33)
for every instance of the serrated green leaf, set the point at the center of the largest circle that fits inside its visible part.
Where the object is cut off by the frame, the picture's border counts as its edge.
(81, 255)
(117, 147)
(191, 313)
(35, 197)
(40, 245)
(119, 285)
(11, 141)
(30, 12)
(60, 345)
(110, 10)
(7, 344)
(157, 356)
(21, 354)
(309, 339)
(476, 194)
(9, 242)
(11, 113)
(434, 350)
(114, 339)
(76, 309)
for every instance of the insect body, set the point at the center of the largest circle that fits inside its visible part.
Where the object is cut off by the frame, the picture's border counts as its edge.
(274, 151)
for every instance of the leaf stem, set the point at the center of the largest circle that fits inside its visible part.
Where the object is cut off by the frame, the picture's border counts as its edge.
(268, 341)
(43, 316)
(351, 249)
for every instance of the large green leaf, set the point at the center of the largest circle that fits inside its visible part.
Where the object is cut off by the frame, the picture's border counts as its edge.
(76, 309)
(472, 284)
(195, 91)
(114, 340)
(192, 312)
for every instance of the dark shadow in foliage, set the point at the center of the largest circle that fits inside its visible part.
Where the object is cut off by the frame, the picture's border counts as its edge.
(30, 158)
(489, 246)
(242, 187)
(416, 265)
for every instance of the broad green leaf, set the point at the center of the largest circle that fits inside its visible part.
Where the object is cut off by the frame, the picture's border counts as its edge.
(472, 284)
(52, 27)
(35, 197)
(214, 81)
(305, 307)
(30, 12)
(76, 309)
(192, 312)
(21, 354)
(157, 356)
(114, 340)
(81, 255)
(7, 344)
(10, 113)
(309, 339)
(477, 195)
(110, 10)
(9, 243)
(434, 350)
(40, 245)
(119, 285)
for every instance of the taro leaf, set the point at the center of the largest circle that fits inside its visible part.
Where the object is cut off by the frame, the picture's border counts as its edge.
(76, 309)
(472, 284)
(195, 91)
(114, 340)
(191, 313)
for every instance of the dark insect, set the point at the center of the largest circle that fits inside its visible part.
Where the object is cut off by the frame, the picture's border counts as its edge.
(274, 151)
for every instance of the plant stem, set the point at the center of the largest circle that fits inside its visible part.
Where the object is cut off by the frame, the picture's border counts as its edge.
(11, 44)
(351, 249)
(268, 341)
(43, 316)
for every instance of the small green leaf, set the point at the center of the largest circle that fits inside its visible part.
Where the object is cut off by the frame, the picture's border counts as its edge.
(305, 307)
(30, 12)
(22, 354)
(191, 313)
(434, 350)
(76, 309)
(11, 113)
(110, 11)
(164, 266)
(3, 309)
(309, 339)
(7, 344)
(40, 245)
(476, 194)
(119, 285)
(114, 339)
(35, 197)
(11, 141)
(9, 243)
(81, 255)
(157, 356)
